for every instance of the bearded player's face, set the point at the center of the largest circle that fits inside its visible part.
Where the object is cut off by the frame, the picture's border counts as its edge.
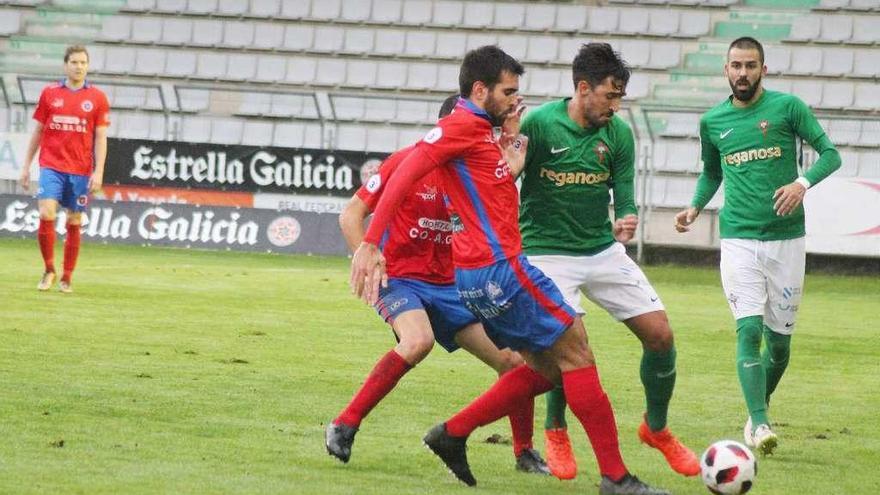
(744, 71)
(502, 98)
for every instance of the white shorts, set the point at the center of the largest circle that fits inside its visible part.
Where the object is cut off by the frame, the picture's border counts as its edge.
(764, 278)
(611, 279)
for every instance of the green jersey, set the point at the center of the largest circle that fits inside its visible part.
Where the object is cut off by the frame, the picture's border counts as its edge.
(568, 173)
(754, 150)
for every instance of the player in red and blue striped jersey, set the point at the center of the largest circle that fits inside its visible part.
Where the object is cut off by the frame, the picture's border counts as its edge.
(514, 300)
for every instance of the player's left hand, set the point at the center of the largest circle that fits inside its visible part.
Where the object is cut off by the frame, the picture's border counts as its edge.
(95, 184)
(788, 198)
(510, 126)
(625, 228)
(515, 154)
(367, 272)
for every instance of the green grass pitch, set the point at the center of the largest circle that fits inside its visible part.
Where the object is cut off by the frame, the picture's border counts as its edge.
(176, 371)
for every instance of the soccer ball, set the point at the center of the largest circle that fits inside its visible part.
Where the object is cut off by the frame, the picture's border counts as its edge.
(728, 468)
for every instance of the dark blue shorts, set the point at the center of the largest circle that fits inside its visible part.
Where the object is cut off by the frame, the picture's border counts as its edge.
(71, 191)
(519, 306)
(445, 310)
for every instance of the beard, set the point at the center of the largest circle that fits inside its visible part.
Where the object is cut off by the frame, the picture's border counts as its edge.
(747, 94)
(497, 111)
(596, 121)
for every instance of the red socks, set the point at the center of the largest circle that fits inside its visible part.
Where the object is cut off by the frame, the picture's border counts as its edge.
(71, 251)
(46, 239)
(522, 425)
(381, 380)
(590, 404)
(512, 390)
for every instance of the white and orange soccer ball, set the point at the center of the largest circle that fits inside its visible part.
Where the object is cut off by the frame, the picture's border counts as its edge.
(728, 468)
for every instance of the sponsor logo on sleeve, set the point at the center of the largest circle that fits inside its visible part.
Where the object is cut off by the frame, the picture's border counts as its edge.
(374, 183)
(433, 135)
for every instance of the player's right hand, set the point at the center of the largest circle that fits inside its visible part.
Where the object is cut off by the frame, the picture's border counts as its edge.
(367, 272)
(25, 179)
(684, 218)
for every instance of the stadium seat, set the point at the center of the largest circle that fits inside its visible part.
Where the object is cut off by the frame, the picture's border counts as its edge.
(227, 130)
(146, 30)
(447, 78)
(176, 31)
(237, 34)
(805, 28)
(809, 90)
(355, 12)
(476, 40)
(382, 110)
(287, 106)
(664, 55)
(154, 99)
(450, 45)
(570, 18)
(831, 4)
(656, 190)
(447, 13)
(866, 30)
(639, 86)
(867, 97)
(119, 59)
(542, 82)
(133, 125)
(241, 67)
(301, 71)
(254, 104)
(211, 65)
(313, 137)
(661, 22)
(298, 37)
(347, 108)
(358, 41)
(869, 165)
(10, 22)
(694, 24)
(267, 9)
(170, 6)
(420, 43)
(604, 20)
(328, 39)
(267, 36)
(149, 62)
(866, 64)
(96, 58)
(682, 125)
(207, 33)
(478, 15)
(679, 191)
(509, 15)
(414, 112)
(351, 137)
(416, 12)
(360, 73)
(844, 132)
(289, 134)
(870, 135)
(159, 127)
(514, 44)
(409, 135)
(195, 129)
(139, 5)
(202, 7)
(232, 7)
(391, 75)
(326, 10)
(636, 52)
(682, 155)
(381, 139)
(542, 49)
(835, 28)
(386, 11)
(256, 133)
(330, 72)
(806, 61)
(178, 63)
(132, 97)
(539, 16)
(421, 76)
(837, 62)
(389, 42)
(114, 28)
(271, 68)
(568, 48)
(777, 58)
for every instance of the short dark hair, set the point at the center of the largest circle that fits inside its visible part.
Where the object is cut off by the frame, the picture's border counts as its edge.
(75, 49)
(448, 106)
(747, 43)
(486, 64)
(595, 62)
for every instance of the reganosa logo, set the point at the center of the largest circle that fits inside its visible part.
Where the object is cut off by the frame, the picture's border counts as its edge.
(563, 178)
(743, 157)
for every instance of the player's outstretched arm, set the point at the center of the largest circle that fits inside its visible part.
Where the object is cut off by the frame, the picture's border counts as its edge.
(685, 218)
(33, 147)
(97, 178)
(351, 222)
(367, 272)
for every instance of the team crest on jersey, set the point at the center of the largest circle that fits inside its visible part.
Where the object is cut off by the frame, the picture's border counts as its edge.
(601, 149)
(87, 106)
(764, 125)
(57, 103)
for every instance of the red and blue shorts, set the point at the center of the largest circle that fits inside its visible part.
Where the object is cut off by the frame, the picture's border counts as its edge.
(70, 190)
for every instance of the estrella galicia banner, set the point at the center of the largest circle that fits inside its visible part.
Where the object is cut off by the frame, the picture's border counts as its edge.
(185, 226)
(236, 168)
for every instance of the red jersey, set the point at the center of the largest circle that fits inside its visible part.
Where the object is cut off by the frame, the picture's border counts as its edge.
(417, 242)
(69, 119)
(479, 185)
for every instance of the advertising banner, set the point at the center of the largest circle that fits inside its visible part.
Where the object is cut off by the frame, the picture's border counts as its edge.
(182, 225)
(843, 217)
(236, 168)
(164, 195)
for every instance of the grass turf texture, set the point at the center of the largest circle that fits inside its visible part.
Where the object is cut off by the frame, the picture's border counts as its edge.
(175, 371)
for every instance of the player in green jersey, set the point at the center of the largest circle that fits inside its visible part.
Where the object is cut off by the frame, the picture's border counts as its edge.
(578, 152)
(749, 141)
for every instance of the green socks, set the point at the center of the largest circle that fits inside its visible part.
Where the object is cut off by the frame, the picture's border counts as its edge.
(752, 377)
(658, 377)
(777, 348)
(555, 409)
